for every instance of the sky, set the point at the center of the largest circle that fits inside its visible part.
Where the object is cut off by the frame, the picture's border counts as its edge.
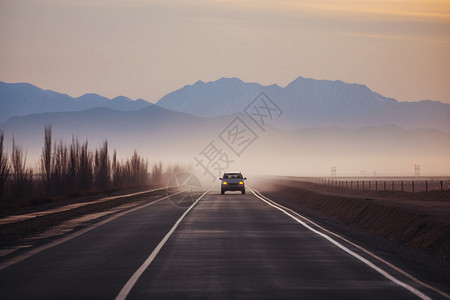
(146, 49)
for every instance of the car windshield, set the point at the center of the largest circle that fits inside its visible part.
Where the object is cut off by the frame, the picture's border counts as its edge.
(232, 176)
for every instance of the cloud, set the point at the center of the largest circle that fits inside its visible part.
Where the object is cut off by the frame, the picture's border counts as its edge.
(420, 10)
(395, 37)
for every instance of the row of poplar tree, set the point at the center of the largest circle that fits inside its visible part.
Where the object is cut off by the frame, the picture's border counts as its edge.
(66, 170)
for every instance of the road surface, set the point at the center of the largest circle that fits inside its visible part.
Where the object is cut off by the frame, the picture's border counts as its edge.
(224, 246)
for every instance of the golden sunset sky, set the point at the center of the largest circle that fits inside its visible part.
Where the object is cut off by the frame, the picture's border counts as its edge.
(145, 49)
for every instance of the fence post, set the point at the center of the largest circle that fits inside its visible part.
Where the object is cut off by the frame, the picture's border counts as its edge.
(363, 186)
(384, 182)
(357, 185)
(402, 185)
(426, 186)
(393, 188)
(351, 184)
(376, 185)
(441, 185)
(369, 185)
(413, 186)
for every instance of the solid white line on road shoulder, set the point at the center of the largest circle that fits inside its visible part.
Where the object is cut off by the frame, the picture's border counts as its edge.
(357, 256)
(397, 269)
(132, 281)
(32, 252)
(23, 217)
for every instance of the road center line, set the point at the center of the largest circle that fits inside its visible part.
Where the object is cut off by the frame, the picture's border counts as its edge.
(342, 247)
(132, 281)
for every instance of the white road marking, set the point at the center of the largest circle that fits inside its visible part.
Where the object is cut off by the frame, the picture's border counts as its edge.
(337, 244)
(35, 251)
(362, 249)
(18, 218)
(132, 281)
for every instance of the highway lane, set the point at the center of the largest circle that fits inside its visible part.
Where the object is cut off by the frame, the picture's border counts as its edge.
(227, 246)
(237, 246)
(94, 265)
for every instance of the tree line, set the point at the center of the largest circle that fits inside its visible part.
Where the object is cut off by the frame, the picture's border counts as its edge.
(71, 170)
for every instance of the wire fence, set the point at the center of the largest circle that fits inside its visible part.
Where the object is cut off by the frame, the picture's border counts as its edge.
(400, 184)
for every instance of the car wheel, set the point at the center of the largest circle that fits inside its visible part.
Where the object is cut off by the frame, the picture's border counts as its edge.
(222, 192)
(243, 192)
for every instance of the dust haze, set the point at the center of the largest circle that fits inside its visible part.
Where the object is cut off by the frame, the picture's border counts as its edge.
(184, 140)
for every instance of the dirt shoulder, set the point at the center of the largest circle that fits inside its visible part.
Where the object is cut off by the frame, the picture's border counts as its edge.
(420, 221)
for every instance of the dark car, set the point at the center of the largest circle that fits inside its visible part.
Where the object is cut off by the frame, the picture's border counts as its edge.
(233, 181)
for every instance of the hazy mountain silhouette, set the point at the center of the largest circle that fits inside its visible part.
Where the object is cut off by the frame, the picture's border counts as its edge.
(152, 129)
(305, 103)
(310, 103)
(20, 99)
(161, 134)
(331, 124)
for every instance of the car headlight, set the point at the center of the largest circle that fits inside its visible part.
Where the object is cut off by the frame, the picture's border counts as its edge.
(241, 182)
(224, 182)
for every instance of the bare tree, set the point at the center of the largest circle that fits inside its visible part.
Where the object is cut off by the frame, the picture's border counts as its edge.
(139, 170)
(102, 167)
(46, 161)
(157, 173)
(60, 168)
(4, 168)
(85, 177)
(117, 172)
(73, 165)
(21, 176)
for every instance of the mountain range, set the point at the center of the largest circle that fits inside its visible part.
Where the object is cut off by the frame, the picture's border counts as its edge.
(305, 103)
(308, 103)
(322, 123)
(21, 99)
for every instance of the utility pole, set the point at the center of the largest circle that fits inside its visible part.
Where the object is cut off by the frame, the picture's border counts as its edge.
(333, 171)
(416, 170)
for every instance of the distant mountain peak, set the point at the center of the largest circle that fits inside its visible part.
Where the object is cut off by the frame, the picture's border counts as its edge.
(226, 81)
(234, 79)
(122, 98)
(90, 95)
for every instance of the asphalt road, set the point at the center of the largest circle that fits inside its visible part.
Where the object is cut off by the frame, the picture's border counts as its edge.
(226, 246)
